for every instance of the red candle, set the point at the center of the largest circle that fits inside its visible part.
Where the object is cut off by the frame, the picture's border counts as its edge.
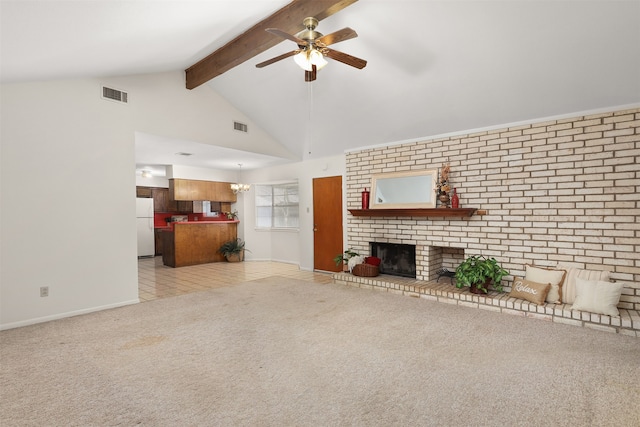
(365, 199)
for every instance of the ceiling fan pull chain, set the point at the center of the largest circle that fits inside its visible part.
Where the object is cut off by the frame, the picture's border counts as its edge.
(309, 141)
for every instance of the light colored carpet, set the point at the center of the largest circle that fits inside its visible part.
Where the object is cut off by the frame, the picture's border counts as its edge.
(281, 352)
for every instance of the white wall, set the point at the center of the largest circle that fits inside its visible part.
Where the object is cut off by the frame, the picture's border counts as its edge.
(286, 246)
(154, 181)
(68, 185)
(204, 174)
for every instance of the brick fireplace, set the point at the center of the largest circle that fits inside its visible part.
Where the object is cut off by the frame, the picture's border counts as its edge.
(415, 261)
(546, 188)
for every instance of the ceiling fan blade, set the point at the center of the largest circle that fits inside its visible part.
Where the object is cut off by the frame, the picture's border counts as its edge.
(287, 36)
(337, 37)
(345, 58)
(277, 58)
(310, 76)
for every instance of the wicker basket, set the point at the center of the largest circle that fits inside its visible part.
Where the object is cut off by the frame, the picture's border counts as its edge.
(365, 270)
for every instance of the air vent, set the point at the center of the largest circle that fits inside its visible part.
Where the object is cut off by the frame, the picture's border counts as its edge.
(115, 94)
(240, 127)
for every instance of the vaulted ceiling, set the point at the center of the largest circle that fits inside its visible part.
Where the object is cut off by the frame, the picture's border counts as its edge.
(434, 67)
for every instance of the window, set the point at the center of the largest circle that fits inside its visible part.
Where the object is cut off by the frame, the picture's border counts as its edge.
(277, 205)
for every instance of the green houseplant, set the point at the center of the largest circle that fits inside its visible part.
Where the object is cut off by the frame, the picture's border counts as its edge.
(344, 257)
(233, 250)
(478, 273)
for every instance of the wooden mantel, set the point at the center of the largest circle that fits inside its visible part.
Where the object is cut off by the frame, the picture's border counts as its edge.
(436, 212)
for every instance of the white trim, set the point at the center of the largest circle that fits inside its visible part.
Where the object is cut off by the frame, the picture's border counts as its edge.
(286, 230)
(287, 181)
(495, 127)
(64, 315)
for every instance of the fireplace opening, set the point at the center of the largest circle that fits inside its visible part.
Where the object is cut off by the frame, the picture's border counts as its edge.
(396, 259)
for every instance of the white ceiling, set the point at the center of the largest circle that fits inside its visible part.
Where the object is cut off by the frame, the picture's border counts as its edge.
(434, 67)
(153, 153)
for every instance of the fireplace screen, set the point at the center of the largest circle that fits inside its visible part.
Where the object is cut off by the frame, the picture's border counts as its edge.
(397, 259)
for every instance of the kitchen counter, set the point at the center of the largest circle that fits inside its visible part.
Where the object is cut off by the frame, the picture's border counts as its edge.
(196, 242)
(170, 225)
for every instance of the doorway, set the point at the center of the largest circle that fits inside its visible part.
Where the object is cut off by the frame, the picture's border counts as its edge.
(327, 222)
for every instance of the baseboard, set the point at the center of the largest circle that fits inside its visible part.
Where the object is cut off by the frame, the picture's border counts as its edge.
(64, 315)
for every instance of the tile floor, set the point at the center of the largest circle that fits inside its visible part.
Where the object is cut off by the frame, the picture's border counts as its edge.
(156, 280)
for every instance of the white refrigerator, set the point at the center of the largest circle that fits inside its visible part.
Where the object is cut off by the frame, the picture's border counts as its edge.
(146, 239)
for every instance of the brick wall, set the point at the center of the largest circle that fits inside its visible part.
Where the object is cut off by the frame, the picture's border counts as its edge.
(557, 191)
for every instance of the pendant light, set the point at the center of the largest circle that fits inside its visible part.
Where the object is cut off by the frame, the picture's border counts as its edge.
(238, 187)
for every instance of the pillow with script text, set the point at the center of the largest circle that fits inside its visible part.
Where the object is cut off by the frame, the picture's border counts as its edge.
(531, 291)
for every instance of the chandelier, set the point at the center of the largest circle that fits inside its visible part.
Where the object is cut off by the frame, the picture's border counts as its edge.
(238, 187)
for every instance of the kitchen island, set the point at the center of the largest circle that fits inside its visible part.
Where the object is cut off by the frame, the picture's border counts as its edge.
(196, 242)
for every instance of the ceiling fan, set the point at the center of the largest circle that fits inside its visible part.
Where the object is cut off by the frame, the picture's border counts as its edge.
(312, 48)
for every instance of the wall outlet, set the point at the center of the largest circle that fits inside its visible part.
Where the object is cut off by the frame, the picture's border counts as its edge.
(44, 291)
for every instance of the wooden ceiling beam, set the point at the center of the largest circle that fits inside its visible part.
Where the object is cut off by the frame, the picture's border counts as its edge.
(256, 40)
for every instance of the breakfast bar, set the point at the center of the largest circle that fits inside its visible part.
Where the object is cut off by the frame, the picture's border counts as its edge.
(196, 242)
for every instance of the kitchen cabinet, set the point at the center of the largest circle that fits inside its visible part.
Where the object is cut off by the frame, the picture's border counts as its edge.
(158, 240)
(184, 206)
(183, 189)
(143, 192)
(161, 200)
(224, 193)
(196, 242)
(190, 189)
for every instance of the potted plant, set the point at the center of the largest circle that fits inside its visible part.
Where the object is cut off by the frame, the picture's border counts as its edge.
(344, 257)
(233, 250)
(479, 272)
(231, 215)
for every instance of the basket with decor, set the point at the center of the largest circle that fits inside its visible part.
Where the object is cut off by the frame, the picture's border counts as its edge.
(369, 268)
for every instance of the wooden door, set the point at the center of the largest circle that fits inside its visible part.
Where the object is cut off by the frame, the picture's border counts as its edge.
(327, 222)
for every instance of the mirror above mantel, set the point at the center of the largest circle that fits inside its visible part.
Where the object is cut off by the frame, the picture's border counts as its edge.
(404, 190)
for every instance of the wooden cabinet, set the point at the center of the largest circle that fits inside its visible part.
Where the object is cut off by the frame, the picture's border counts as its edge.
(189, 189)
(143, 192)
(184, 189)
(158, 240)
(184, 206)
(160, 199)
(179, 189)
(193, 243)
(224, 193)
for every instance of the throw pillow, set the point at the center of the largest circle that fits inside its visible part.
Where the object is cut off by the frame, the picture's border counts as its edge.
(547, 275)
(373, 260)
(597, 297)
(569, 286)
(530, 291)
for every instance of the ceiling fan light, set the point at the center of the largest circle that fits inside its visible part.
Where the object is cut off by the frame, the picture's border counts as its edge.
(317, 58)
(302, 59)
